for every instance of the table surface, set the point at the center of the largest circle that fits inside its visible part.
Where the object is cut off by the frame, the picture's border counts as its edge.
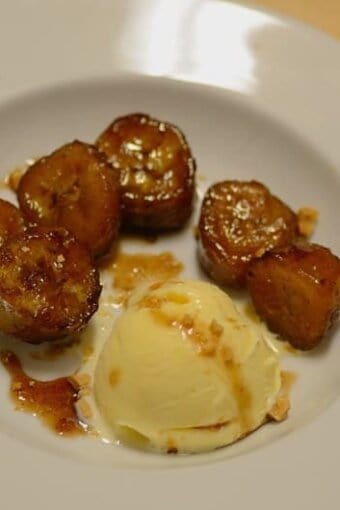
(322, 14)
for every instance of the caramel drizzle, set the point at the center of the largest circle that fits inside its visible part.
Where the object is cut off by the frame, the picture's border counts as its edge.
(52, 401)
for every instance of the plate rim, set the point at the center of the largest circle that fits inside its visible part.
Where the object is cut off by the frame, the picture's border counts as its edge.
(87, 485)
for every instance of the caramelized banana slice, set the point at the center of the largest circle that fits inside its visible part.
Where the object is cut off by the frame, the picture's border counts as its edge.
(157, 171)
(11, 221)
(240, 221)
(48, 285)
(77, 189)
(296, 290)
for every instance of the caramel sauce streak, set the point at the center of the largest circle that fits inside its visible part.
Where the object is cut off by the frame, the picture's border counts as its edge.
(52, 401)
(288, 379)
(130, 270)
(206, 341)
(214, 427)
(241, 393)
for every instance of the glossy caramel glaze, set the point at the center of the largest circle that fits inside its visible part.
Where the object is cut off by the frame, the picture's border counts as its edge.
(11, 221)
(52, 401)
(296, 290)
(49, 287)
(239, 222)
(156, 168)
(241, 394)
(77, 189)
(288, 379)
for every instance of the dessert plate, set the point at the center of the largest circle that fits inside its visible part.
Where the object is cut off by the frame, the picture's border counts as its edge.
(257, 97)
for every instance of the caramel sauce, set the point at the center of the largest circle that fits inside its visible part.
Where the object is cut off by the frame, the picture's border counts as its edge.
(205, 342)
(214, 427)
(205, 338)
(288, 379)
(130, 270)
(241, 393)
(52, 401)
(155, 302)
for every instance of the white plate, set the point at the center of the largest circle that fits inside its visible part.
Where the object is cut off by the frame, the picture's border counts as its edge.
(258, 97)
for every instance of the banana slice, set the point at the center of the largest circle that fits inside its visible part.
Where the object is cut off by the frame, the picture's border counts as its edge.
(239, 222)
(157, 171)
(296, 290)
(77, 189)
(49, 287)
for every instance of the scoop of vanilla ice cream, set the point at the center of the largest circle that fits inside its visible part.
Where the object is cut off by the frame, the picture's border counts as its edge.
(184, 371)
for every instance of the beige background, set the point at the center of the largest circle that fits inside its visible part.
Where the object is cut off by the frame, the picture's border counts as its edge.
(322, 14)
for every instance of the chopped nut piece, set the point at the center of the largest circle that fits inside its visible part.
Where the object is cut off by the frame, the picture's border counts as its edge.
(84, 392)
(172, 450)
(152, 302)
(13, 179)
(187, 322)
(216, 328)
(171, 446)
(16, 386)
(80, 381)
(279, 411)
(307, 220)
(84, 408)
